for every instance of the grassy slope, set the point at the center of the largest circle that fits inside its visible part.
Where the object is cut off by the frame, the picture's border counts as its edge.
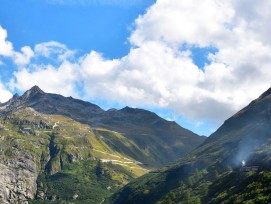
(144, 127)
(69, 156)
(190, 179)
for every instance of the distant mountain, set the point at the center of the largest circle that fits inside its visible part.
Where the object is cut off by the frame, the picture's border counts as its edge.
(212, 173)
(55, 148)
(51, 104)
(159, 141)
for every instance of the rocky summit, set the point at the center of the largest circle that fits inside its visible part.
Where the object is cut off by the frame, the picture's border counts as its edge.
(56, 149)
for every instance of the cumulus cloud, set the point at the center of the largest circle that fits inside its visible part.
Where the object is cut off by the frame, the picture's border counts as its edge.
(23, 57)
(5, 95)
(53, 50)
(6, 48)
(159, 69)
(60, 80)
(177, 22)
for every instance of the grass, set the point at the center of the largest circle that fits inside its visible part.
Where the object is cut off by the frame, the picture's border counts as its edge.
(71, 166)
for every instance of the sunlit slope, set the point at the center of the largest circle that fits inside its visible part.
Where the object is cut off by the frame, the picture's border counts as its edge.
(159, 140)
(245, 136)
(155, 141)
(69, 159)
(57, 148)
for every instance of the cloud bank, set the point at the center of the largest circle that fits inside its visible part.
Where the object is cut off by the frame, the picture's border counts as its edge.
(159, 70)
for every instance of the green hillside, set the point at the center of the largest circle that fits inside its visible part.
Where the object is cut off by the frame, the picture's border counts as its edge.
(155, 141)
(69, 159)
(56, 149)
(211, 172)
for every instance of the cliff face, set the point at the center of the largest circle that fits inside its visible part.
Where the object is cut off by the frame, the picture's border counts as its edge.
(19, 163)
(18, 180)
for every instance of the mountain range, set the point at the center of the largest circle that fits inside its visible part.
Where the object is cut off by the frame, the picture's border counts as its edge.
(230, 166)
(57, 149)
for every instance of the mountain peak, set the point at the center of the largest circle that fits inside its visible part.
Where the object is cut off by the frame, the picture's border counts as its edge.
(14, 97)
(36, 89)
(33, 91)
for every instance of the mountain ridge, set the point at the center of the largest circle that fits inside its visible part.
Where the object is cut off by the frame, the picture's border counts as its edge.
(140, 125)
(66, 149)
(193, 178)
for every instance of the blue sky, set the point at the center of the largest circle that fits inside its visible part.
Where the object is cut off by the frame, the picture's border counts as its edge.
(196, 63)
(85, 26)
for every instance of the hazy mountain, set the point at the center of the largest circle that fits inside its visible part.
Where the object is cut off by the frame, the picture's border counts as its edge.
(211, 172)
(55, 148)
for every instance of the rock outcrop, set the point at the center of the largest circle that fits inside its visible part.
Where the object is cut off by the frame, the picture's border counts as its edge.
(17, 180)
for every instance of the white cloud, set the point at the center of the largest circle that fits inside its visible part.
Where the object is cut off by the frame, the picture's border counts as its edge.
(176, 22)
(157, 73)
(53, 50)
(60, 80)
(5, 95)
(6, 48)
(23, 57)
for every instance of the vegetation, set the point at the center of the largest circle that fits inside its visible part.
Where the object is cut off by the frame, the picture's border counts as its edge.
(76, 163)
(210, 173)
(82, 164)
(82, 182)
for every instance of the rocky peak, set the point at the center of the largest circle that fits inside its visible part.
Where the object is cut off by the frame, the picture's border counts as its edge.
(15, 97)
(35, 90)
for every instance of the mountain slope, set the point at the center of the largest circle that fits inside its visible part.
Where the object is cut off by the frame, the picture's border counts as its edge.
(57, 149)
(52, 157)
(193, 179)
(51, 104)
(159, 141)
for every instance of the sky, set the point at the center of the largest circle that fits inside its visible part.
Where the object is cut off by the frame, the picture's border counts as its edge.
(194, 62)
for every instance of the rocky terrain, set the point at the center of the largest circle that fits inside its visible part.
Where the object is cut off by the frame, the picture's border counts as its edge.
(54, 148)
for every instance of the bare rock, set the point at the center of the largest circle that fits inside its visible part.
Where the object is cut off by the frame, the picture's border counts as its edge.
(17, 181)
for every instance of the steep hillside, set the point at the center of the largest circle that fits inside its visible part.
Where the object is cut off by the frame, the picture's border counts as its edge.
(55, 149)
(211, 173)
(158, 142)
(52, 157)
(161, 141)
